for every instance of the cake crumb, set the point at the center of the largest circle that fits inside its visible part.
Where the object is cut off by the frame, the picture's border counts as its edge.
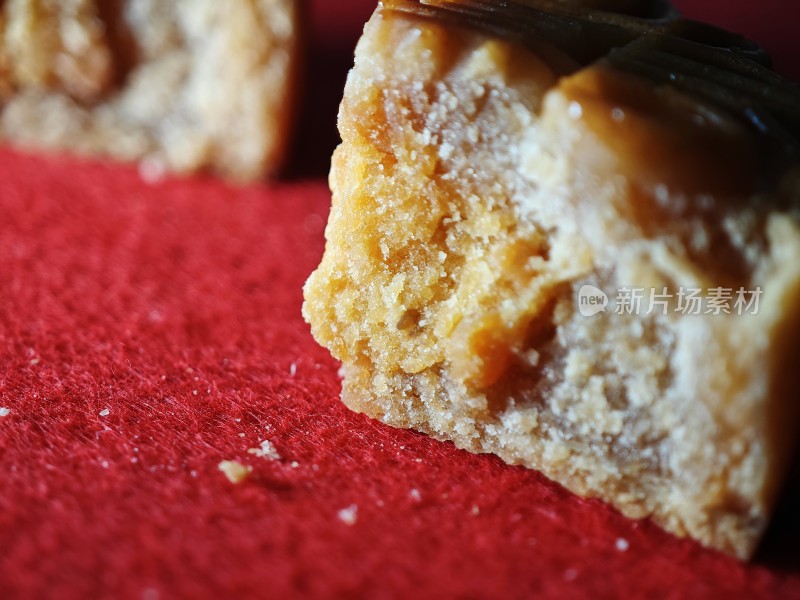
(476, 510)
(267, 450)
(235, 471)
(4, 412)
(294, 464)
(415, 495)
(622, 544)
(293, 369)
(349, 515)
(105, 412)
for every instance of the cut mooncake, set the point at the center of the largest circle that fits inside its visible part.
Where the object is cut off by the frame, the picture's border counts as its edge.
(571, 237)
(183, 86)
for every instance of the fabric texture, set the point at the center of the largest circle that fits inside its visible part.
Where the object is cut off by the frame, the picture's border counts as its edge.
(149, 331)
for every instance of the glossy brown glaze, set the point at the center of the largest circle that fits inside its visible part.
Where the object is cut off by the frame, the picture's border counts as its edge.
(715, 101)
(697, 144)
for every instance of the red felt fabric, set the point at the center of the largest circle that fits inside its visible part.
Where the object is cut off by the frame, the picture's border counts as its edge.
(148, 332)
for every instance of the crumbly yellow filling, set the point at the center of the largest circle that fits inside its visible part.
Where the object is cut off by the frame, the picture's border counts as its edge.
(475, 192)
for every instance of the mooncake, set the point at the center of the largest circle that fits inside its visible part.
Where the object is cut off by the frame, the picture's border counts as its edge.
(568, 233)
(183, 86)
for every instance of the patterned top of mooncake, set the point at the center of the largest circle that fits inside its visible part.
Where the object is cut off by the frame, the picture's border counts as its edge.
(652, 40)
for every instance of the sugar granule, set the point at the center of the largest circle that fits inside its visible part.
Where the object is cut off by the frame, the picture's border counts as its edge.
(267, 450)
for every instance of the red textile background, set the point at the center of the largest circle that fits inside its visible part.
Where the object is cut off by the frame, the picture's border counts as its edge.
(148, 332)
